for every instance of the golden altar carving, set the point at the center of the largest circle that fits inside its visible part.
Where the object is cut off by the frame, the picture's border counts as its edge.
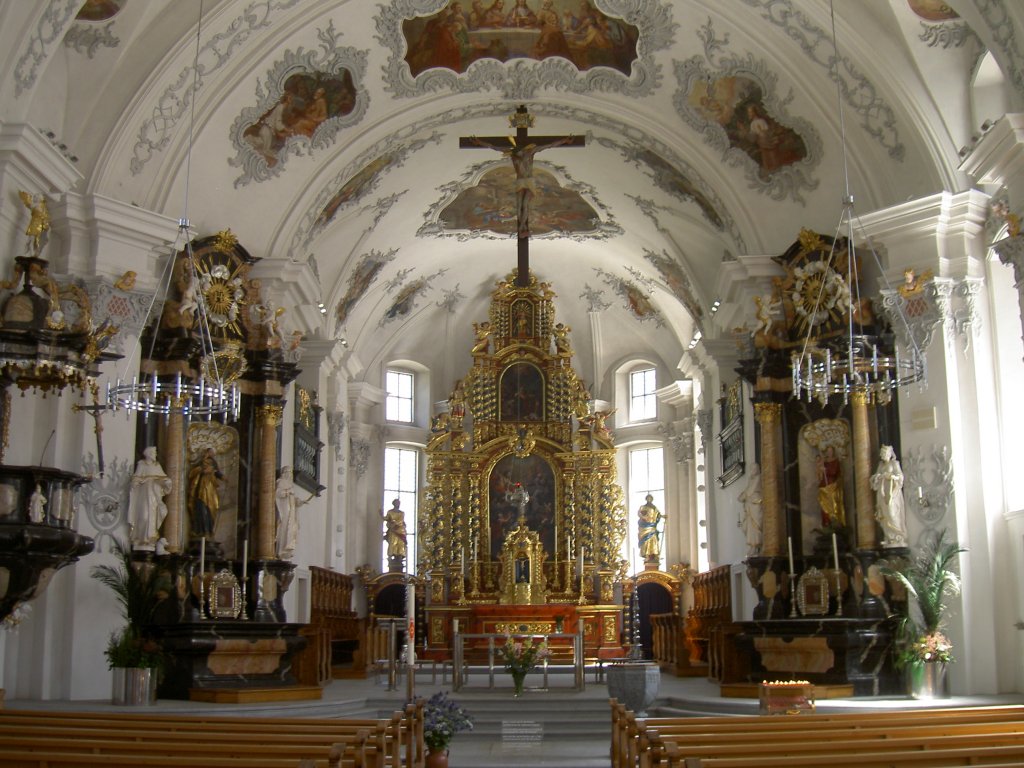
(520, 419)
(522, 579)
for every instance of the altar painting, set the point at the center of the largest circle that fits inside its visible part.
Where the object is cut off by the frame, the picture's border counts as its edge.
(536, 475)
(459, 34)
(825, 458)
(215, 446)
(522, 393)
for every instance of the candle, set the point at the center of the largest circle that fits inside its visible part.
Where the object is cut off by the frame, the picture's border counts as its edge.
(463, 562)
(835, 550)
(920, 493)
(245, 559)
(456, 626)
(202, 555)
(579, 566)
(789, 543)
(410, 614)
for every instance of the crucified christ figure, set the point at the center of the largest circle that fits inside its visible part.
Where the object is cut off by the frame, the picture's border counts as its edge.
(522, 162)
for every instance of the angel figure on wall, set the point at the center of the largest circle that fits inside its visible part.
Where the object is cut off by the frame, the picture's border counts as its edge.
(890, 508)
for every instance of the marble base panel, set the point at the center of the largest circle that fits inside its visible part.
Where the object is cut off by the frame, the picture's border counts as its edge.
(827, 651)
(228, 654)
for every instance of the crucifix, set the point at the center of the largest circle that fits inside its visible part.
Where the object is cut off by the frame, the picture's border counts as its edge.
(521, 149)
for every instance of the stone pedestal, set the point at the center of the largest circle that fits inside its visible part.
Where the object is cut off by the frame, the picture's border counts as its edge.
(229, 653)
(634, 684)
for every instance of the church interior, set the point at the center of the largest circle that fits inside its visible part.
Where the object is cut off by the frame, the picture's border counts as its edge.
(673, 331)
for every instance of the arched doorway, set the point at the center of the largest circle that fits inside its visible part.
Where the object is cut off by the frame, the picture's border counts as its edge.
(651, 598)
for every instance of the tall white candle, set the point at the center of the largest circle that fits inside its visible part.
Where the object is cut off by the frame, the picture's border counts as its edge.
(579, 566)
(463, 562)
(410, 614)
(835, 550)
(245, 559)
(789, 543)
(202, 555)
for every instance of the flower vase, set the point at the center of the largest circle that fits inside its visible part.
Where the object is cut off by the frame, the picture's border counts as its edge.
(518, 678)
(436, 758)
(927, 680)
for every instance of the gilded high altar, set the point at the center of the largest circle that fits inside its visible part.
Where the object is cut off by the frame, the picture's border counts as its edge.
(522, 512)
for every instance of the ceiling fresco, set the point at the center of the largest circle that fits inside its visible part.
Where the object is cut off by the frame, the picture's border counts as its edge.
(307, 98)
(462, 33)
(573, 46)
(365, 274)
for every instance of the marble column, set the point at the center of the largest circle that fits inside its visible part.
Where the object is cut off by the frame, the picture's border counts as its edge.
(175, 465)
(268, 417)
(865, 499)
(769, 416)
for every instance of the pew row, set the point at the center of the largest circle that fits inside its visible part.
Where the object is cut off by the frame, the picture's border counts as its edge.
(30, 738)
(650, 742)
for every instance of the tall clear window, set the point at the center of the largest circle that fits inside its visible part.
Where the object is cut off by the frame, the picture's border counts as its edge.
(646, 470)
(398, 405)
(643, 403)
(401, 481)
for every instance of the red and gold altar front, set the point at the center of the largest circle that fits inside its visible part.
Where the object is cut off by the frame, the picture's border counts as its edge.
(522, 523)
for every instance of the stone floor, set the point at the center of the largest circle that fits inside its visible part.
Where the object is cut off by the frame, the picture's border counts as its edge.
(556, 727)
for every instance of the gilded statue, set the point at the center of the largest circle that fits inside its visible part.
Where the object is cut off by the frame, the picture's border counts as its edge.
(395, 533)
(39, 223)
(483, 338)
(830, 489)
(648, 537)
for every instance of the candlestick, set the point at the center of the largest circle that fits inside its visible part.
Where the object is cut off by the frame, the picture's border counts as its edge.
(410, 614)
(835, 550)
(789, 543)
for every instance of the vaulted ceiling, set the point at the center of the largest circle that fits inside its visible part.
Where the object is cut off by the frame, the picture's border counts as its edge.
(326, 133)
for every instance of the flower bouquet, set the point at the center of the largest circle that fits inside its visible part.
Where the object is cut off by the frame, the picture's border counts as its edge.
(520, 657)
(442, 719)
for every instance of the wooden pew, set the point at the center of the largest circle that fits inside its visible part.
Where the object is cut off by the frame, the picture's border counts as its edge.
(369, 742)
(645, 742)
(885, 758)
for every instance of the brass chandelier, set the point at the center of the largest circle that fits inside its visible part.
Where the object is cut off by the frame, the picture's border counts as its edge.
(859, 363)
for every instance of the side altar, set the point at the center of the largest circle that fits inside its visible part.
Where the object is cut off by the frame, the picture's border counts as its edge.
(523, 521)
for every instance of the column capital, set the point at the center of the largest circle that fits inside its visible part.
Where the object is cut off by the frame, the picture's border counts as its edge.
(860, 399)
(767, 413)
(269, 415)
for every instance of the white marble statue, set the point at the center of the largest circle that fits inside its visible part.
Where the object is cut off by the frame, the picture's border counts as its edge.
(146, 507)
(890, 509)
(751, 498)
(37, 505)
(287, 505)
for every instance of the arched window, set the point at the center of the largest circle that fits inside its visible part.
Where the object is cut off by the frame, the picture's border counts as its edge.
(643, 403)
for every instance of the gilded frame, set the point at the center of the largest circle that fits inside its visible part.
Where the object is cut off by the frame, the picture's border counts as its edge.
(225, 595)
(812, 593)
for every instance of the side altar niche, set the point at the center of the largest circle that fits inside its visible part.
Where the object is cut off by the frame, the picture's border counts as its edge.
(817, 556)
(523, 520)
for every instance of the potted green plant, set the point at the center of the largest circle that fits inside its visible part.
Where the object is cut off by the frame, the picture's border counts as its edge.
(930, 579)
(132, 652)
(442, 719)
